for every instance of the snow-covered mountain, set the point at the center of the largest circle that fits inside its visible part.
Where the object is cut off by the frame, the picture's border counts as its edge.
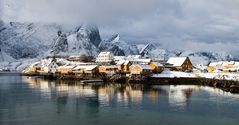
(22, 43)
(118, 46)
(26, 40)
(32, 40)
(84, 40)
(155, 51)
(206, 57)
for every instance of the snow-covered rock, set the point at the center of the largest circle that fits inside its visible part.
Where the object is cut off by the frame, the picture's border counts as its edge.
(118, 47)
(25, 41)
(206, 57)
(156, 51)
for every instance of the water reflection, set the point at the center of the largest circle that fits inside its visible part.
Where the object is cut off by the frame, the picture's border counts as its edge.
(122, 95)
(30, 100)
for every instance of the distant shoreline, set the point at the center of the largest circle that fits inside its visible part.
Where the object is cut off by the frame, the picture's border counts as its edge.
(9, 73)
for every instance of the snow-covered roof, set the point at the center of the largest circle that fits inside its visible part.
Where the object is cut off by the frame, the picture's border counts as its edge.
(236, 64)
(134, 56)
(121, 62)
(176, 61)
(141, 60)
(119, 57)
(106, 53)
(86, 67)
(225, 63)
(213, 64)
(231, 62)
(126, 62)
(68, 67)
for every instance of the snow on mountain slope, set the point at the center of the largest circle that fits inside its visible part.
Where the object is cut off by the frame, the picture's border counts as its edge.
(20, 41)
(118, 46)
(83, 40)
(5, 57)
(26, 40)
(157, 52)
(206, 57)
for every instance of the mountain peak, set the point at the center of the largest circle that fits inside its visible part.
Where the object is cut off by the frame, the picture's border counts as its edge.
(116, 37)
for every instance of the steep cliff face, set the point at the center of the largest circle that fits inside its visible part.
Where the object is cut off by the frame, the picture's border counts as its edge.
(84, 40)
(31, 40)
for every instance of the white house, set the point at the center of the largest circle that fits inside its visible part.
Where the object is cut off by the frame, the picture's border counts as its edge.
(105, 57)
(51, 67)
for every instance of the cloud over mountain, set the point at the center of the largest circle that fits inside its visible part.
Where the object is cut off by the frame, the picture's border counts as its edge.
(176, 24)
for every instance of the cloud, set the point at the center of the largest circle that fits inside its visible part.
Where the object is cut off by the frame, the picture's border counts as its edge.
(211, 24)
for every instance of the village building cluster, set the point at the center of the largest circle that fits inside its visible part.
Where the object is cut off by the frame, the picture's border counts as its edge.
(223, 66)
(134, 66)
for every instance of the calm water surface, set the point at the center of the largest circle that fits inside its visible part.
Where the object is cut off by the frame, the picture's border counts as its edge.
(34, 101)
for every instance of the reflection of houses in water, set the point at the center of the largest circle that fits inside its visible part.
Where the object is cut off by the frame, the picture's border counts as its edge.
(179, 95)
(45, 87)
(155, 91)
(105, 95)
(60, 87)
(121, 95)
(135, 94)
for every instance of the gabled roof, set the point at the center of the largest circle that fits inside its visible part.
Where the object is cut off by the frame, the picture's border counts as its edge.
(176, 61)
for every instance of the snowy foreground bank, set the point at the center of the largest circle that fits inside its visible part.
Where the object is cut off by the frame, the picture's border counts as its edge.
(178, 74)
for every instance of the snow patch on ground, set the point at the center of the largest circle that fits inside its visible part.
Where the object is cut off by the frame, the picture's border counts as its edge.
(178, 74)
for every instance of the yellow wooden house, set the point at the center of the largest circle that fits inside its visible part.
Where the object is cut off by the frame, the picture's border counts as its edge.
(139, 69)
(36, 67)
(65, 69)
(108, 69)
(124, 66)
(156, 67)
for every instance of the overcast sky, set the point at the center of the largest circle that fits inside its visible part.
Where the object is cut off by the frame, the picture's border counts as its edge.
(211, 25)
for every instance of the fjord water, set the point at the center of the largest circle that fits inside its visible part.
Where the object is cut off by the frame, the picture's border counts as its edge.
(35, 101)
